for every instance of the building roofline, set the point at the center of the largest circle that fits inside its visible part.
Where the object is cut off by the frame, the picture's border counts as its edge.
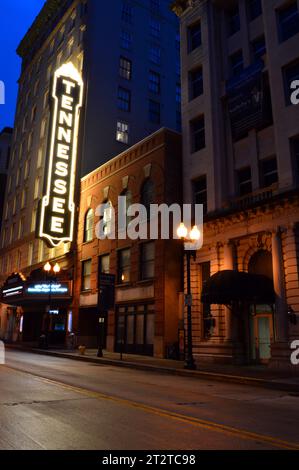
(6, 130)
(48, 11)
(149, 137)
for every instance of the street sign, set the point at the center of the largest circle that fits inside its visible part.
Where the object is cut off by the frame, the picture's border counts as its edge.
(106, 292)
(188, 300)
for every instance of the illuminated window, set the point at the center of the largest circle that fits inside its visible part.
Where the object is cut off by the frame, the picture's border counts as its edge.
(39, 158)
(43, 128)
(41, 251)
(30, 254)
(23, 198)
(104, 264)
(122, 132)
(86, 275)
(36, 188)
(33, 221)
(88, 226)
(124, 266)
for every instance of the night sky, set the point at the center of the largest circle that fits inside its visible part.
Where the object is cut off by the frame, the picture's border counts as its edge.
(16, 18)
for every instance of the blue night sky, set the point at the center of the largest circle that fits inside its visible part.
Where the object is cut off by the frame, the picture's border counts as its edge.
(16, 17)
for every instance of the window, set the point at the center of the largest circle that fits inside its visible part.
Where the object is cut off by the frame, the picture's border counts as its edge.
(126, 13)
(88, 226)
(237, 64)
(33, 221)
(126, 40)
(154, 83)
(122, 132)
(23, 198)
(72, 23)
(294, 143)
(155, 54)
(39, 158)
(233, 18)
(290, 74)
(43, 128)
(124, 99)
(155, 5)
(86, 275)
(269, 172)
(30, 254)
(244, 181)
(194, 37)
(200, 192)
(197, 127)
(155, 27)
(124, 265)
(36, 188)
(70, 46)
(195, 83)
(178, 93)
(41, 251)
(259, 47)
(26, 171)
(125, 68)
(61, 35)
(33, 114)
(154, 112)
(208, 322)
(148, 194)
(104, 264)
(254, 9)
(147, 261)
(288, 21)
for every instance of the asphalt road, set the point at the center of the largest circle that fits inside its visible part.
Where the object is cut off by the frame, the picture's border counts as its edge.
(53, 403)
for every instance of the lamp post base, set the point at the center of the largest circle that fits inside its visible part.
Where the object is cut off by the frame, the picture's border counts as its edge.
(190, 364)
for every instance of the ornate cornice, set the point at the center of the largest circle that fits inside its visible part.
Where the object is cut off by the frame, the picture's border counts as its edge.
(46, 15)
(180, 6)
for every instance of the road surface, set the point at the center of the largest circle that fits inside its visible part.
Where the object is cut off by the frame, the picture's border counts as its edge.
(60, 404)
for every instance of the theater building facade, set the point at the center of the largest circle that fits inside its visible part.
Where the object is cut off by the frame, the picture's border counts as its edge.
(145, 313)
(241, 160)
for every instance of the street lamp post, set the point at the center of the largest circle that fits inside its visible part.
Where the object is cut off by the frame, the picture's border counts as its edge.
(48, 268)
(192, 237)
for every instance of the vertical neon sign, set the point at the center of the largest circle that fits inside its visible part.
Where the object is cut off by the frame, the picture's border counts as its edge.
(57, 210)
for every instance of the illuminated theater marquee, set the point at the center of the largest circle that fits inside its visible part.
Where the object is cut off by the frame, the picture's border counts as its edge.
(57, 211)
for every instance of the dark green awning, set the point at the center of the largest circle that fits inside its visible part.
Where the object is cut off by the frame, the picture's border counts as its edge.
(226, 287)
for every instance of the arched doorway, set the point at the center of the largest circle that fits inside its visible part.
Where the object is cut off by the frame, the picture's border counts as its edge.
(261, 316)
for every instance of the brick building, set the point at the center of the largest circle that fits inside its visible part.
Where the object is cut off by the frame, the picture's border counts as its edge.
(148, 273)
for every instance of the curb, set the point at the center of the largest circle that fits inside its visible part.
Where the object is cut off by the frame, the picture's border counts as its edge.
(198, 374)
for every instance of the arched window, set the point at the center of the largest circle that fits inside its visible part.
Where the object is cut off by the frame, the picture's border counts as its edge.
(148, 194)
(88, 226)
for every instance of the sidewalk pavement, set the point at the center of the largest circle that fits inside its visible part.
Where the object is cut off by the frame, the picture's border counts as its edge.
(259, 376)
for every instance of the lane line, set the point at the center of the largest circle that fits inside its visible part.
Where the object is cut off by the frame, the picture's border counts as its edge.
(196, 422)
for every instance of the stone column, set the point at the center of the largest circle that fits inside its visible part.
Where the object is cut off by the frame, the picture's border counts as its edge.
(281, 320)
(229, 264)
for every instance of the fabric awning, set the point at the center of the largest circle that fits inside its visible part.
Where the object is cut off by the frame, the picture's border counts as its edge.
(226, 287)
